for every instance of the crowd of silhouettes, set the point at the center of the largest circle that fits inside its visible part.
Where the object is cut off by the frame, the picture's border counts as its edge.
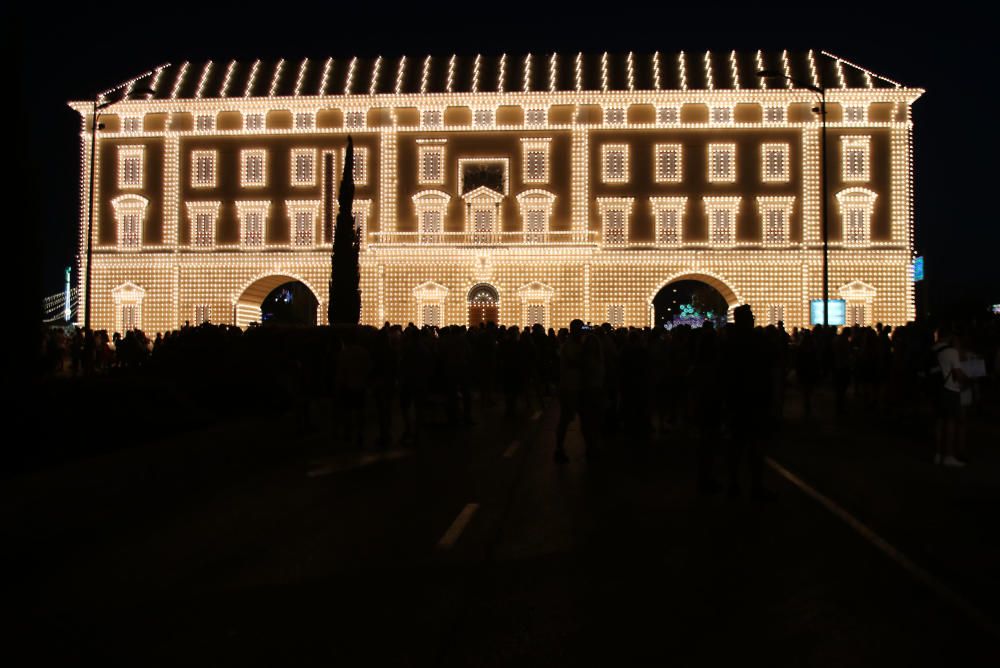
(725, 387)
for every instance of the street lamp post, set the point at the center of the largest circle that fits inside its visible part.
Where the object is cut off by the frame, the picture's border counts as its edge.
(821, 110)
(95, 125)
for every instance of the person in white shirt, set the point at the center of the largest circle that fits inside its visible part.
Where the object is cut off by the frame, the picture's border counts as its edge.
(949, 408)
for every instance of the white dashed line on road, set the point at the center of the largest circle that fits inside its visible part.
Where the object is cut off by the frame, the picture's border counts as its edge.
(458, 526)
(511, 449)
(918, 573)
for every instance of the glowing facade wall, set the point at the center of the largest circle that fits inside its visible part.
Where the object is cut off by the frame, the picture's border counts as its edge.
(593, 199)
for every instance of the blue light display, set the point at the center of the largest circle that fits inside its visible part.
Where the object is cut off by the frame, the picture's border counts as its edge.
(838, 311)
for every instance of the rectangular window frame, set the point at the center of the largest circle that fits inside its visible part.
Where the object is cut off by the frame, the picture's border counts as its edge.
(716, 149)
(660, 175)
(125, 155)
(531, 145)
(770, 148)
(606, 152)
(849, 144)
(294, 177)
(246, 180)
(209, 180)
(428, 150)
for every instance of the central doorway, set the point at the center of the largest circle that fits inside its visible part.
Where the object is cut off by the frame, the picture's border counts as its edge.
(484, 305)
(691, 303)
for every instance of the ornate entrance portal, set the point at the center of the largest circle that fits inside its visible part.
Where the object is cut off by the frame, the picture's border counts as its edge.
(484, 305)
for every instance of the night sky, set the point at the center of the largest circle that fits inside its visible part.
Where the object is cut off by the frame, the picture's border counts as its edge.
(71, 57)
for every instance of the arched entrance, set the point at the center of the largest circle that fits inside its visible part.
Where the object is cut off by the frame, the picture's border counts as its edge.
(692, 299)
(277, 299)
(484, 305)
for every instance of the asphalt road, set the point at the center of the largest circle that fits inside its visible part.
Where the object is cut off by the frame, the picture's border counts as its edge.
(253, 544)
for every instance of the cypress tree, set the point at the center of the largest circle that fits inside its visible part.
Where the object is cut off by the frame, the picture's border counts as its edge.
(344, 307)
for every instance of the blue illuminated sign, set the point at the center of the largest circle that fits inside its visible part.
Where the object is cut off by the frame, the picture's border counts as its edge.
(918, 269)
(838, 311)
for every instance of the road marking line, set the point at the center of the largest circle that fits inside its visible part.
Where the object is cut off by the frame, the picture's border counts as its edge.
(536, 415)
(918, 573)
(458, 526)
(511, 449)
(357, 462)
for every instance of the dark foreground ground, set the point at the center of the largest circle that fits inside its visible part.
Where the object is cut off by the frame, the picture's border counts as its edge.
(249, 543)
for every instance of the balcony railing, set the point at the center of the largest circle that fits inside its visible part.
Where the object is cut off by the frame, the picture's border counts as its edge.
(483, 238)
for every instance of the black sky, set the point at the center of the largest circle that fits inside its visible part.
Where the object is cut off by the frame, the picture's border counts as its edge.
(949, 54)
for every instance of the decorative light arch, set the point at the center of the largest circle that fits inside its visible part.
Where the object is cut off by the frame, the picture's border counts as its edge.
(721, 284)
(248, 300)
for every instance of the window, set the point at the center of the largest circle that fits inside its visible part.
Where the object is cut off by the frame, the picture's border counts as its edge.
(253, 220)
(305, 120)
(722, 163)
(536, 209)
(721, 213)
(431, 226)
(614, 163)
(201, 314)
(432, 118)
(668, 213)
(616, 315)
(856, 314)
(129, 317)
(430, 315)
(361, 209)
(203, 169)
(667, 165)
(354, 119)
(130, 166)
(721, 115)
(614, 116)
(774, 114)
(483, 225)
(128, 299)
(615, 211)
(535, 154)
(535, 117)
(132, 124)
(668, 115)
(489, 172)
(130, 211)
(303, 167)
(856, 207)
(855, 114)
(535, 315)
(203, 216)
(775, 161)
(775, 214)
(303, 214)
(204, 122)
(253, 168)
(856, 158)
(360, 165)
(482, 118)
(253, 122)
(775, 314)
(431, 206)
(430, 159)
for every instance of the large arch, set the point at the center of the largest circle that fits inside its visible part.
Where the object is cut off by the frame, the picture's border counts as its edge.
(248, 301)
(732, 297)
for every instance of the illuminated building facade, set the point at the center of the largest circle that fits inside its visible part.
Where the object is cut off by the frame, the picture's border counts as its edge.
(520, 189)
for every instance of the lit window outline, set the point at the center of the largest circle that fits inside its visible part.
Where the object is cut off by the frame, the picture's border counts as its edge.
(536, 200)
(607, 205)
(426, 148)
(259, 206)
(210, 208)
(483, 118)
(728, 147)
(254, 122)
(860, 109)
(297, 206)
(431, 201)
(731, 204)
(779, 109)
(663, 111)
(785, 150)
(535, 144)
(129, 152)
(354, 118)
(784, 205)
(245, 156)
(855, 142)
(293, 167)
(204, 122)
(130, 119)
(606, 150)
(360, 164)
(125, 205)
(432, 118)
(615, 116)
(530, 112)
(304, 120)
(677, 204)
(861, 200)
(213, 156)
(726, 111)
(668, 147)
